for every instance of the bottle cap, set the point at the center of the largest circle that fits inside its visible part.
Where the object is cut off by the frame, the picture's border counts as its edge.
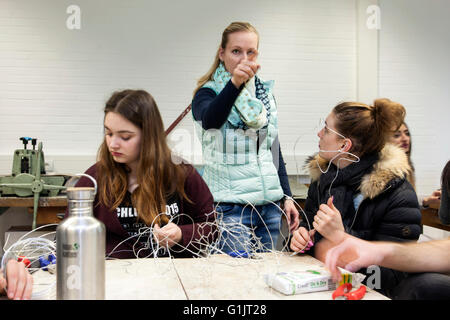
(83, 193)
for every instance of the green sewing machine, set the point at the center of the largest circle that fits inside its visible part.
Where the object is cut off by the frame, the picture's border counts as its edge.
(28, 176)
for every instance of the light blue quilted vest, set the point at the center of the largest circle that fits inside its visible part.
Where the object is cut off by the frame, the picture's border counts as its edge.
(233, 169)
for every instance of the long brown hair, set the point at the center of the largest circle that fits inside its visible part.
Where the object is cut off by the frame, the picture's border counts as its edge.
(157, 175)
(369, 127)
(233, 27)
(412, 176)
(445, 178)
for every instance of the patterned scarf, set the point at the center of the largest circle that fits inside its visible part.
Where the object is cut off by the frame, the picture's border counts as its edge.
(252, 107)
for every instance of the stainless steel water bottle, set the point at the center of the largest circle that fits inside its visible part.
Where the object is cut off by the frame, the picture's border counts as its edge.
(80, 250)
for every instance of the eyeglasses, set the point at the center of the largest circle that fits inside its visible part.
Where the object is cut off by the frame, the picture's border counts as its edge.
(323, 125)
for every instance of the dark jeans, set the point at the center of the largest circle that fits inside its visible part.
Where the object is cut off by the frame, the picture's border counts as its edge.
(248, 229)
(422, 286)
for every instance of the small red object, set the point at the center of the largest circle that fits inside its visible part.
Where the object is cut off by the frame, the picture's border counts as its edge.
(344, 292)
(24, 260)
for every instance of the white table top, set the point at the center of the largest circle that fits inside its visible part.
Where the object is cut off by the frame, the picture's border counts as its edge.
(218, 277)
(222, 277)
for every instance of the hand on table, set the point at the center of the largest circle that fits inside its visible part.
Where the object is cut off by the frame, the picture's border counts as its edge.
(18, 284)
(433, 201)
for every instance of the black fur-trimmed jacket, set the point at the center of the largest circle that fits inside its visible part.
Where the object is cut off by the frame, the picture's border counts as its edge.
(389, 210)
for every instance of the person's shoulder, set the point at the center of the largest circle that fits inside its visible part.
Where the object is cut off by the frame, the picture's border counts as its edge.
(195, 187)
(202, 96)
(207, 91)
(188, 169)
(401, 194)
(401, 186)
(93, 170)
(193, 179)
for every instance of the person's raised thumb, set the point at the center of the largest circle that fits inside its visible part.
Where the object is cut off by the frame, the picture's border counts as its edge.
(330, 202)
(312, 233)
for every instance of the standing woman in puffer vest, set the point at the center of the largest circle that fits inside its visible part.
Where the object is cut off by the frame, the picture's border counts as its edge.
(236, 118)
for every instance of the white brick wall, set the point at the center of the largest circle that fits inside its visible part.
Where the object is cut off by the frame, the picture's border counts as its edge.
(54, 81)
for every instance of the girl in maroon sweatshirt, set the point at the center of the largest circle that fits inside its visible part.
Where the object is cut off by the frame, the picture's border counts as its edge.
(151, 203)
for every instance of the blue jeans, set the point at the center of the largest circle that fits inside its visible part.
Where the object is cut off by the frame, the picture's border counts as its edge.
(246, 230)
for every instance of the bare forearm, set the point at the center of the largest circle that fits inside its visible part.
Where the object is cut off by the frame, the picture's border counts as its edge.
(432, 256)
(322, 248)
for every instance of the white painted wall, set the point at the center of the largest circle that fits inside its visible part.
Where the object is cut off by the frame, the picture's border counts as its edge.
(415, 71)
(54, 81)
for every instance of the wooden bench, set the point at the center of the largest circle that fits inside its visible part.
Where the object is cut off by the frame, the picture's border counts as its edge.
(430, 218)
(49, 211)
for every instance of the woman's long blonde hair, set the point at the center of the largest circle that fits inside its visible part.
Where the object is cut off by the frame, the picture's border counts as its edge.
(158, 176)
(233, 27)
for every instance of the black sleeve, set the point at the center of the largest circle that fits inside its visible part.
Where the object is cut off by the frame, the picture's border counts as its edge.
(311, 207)
(444, 209)
(396, 218)
(211, 109)
(361, 234)
(279, 163)
(401, 219)
(282, 174)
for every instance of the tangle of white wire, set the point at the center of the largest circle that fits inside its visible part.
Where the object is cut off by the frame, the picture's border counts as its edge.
(235, 234)
(206, 245)
(32, 248)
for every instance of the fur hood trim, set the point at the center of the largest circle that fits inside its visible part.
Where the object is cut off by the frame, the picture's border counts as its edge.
(392, 164)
